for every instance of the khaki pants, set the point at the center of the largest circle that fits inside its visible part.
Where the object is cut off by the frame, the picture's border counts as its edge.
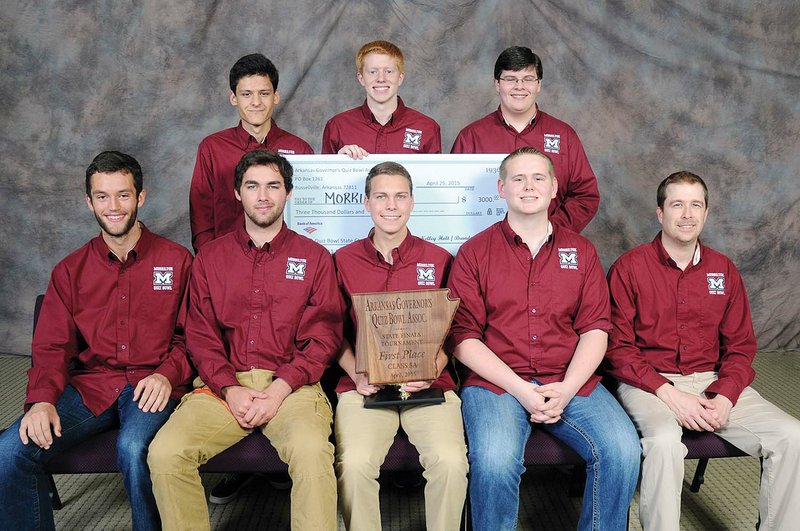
(201, 427)
(756, 426)
(363, 438)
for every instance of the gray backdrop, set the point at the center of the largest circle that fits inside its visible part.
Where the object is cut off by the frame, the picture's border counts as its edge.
(651, 87)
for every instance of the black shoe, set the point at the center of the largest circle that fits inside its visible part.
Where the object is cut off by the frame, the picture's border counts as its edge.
(229, 488)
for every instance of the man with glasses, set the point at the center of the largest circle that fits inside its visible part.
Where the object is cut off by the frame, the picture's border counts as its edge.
(519, 122)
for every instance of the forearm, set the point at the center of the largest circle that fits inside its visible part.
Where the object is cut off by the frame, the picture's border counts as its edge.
(588, 355)
(477, 356)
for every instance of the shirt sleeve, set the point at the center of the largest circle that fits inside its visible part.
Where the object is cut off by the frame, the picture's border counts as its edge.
(176, 366)
(204, 339)
(460, 145)
(319, 331)
(582, 197)
(470, 319)
(737, 344)
(330, 139)
(56, 341)
(201, 199)
(436, 144)
(626, 362)
(593, 312)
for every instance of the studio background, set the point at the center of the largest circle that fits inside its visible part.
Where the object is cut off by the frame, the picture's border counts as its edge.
(651, 87)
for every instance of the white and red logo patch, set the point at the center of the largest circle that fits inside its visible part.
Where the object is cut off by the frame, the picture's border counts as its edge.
(295, 268)
(426, 274)
(412, 139)
(552, 143)
(163, 278)
(716, 283)
(568, 258)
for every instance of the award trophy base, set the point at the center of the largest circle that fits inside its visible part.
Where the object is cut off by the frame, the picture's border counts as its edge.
(390, 396)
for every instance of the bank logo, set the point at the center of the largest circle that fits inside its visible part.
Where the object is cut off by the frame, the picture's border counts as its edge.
(162, 278)
(426, 274)
(716, 283)
(552, 143)
(295, 268)
(412, 139)
(310, 230)
(568, 257)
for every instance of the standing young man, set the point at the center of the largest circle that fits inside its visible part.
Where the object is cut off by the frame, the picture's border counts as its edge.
(531, 329)
(390, 259)
(682, 347)
(108, 351)
(519, 122)
(264, 321)
(383, 124)
(213, 209)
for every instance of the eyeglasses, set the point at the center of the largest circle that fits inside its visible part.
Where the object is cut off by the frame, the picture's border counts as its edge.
(527, 80)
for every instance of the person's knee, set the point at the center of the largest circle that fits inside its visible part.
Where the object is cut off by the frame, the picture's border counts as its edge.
(165, 456)
(131, 450)
(789, 438)
(665, 444)
(310, 450)
(496, 458)
(356, 463)
(451, 461)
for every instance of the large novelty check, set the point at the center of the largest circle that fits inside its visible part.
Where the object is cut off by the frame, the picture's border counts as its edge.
(455, 197)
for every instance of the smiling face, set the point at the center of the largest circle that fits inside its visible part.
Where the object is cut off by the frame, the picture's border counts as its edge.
(389, 204)
(518, 91)
(263, 196)
(381, 77)
(527, 185)
(255, 98)
(683, 215)
(114, 202)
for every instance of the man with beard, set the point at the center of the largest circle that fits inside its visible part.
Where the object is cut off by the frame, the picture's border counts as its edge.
(264, 321)
(108, 352)
(519, 122)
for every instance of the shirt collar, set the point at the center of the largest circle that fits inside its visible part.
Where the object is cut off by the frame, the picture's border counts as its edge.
(247, 245)
(139, 250)
(245, 139)
(396, 115)
(502, 119)
(399, 253)
(666, 259)
(515, 240)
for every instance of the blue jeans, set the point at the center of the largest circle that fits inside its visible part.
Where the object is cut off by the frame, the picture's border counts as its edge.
(24, 489)
(595, 426)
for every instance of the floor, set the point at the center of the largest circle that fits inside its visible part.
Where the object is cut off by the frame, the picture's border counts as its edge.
(726, 502)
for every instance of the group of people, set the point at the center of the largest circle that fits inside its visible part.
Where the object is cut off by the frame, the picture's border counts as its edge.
(188, 356)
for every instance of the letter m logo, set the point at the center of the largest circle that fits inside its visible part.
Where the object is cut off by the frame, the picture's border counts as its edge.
(162, 278)
(426, 274)
(568, 258)
(296, 268)
(716, 283)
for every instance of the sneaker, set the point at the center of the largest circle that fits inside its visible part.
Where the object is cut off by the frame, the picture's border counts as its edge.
(228, 488)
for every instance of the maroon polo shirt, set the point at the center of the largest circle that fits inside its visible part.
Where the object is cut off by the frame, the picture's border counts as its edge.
(360, 268)
(578, 198)
(213, 209)
(105, 323)
(679, 322)
(276, 308)
(407, 131)
(529, 312)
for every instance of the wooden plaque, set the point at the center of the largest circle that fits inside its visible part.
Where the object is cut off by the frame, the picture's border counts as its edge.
(400, 333)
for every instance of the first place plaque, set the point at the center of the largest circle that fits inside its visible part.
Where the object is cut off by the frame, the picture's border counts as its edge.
(400, 334)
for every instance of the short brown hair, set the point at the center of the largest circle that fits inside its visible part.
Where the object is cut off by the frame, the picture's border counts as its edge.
(527, 150)
(679, 177)
(387, 168)
(381, 47)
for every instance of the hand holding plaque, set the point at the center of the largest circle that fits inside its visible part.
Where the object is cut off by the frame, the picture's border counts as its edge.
(399, 334)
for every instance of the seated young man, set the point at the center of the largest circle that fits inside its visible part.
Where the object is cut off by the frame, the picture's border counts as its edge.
(531, 329)
(213, 209)
(383, 124)
(682, 347)
(108, 352)
(264, 321)
(389, 259)
(518, 121)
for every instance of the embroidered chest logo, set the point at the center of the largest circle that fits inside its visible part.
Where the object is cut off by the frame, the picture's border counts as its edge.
(426, 274)
(552, 143)
(296, 268)
(412, 139)
(162, 278)
(568, 258)
(716, 283)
